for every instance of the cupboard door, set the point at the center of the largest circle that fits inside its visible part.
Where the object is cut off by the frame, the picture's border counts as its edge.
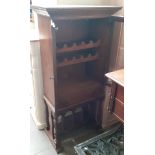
(117, 48)
(120, 53)
(47, 48)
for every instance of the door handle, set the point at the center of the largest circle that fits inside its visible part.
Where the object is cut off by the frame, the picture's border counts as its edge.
(51, 77)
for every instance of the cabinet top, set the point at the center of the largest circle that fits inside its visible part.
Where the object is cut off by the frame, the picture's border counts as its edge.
(117, 76)
(76, 11)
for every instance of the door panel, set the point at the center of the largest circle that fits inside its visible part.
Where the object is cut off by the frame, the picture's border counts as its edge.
(117, 47)
(47, 48)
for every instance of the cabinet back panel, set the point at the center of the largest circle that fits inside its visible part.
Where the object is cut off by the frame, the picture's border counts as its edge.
(71, 72)
(72, 30)
(92, 29)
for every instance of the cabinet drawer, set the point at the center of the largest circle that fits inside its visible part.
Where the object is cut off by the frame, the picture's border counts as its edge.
(116, 105)
(120, 93)
(119, 110)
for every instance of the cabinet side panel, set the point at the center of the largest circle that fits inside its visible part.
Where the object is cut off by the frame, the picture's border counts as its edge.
(47, 57)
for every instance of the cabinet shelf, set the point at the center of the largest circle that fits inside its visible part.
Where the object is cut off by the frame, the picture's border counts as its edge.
(75, 92)
(75, 60)
(78, 46)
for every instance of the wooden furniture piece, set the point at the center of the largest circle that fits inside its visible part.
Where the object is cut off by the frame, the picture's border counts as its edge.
(116, 105)
(75, 47)
(116, 63)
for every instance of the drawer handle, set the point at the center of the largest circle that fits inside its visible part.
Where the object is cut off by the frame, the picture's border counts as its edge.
(112, 98)
(111, 104)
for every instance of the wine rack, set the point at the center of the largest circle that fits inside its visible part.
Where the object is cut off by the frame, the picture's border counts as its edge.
(65, 48)
(86, 52)
(75, 60)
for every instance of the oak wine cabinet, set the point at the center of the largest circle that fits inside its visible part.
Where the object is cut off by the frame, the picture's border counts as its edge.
(75, 46)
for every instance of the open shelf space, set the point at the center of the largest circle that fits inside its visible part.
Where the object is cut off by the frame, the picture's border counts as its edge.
(76, 46)
(75, 92)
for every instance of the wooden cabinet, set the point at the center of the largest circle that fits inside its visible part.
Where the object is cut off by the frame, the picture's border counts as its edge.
(116, 62)
(75, 51)
(116, 102)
